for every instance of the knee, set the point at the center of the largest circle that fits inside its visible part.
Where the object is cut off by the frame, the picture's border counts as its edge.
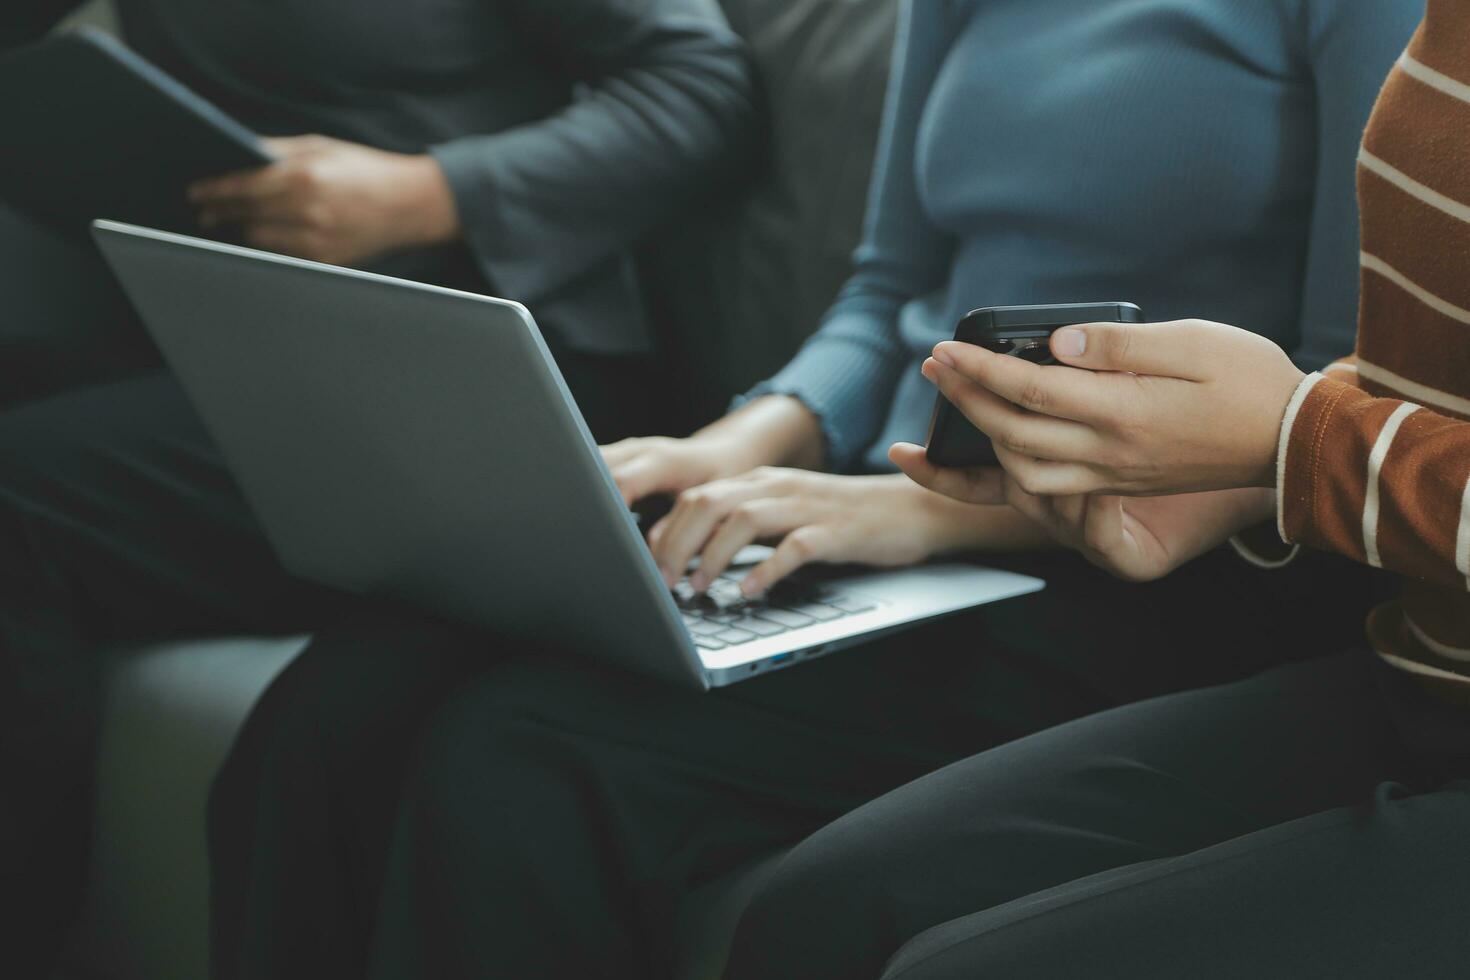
(276, 733)
(820, 913)
(970, 949)
(497, 722)
(525, 744)
(352, 701)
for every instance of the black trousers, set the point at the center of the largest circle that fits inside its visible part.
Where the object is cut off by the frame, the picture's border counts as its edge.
(1309, 822)
(119, 521)
(409, 802)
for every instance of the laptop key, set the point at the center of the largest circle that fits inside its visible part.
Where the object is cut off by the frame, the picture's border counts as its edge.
(759, 627)
(708, 643)
(849, 603)
(817, 611)
(734, 636)
(700, 627)
(787, 618)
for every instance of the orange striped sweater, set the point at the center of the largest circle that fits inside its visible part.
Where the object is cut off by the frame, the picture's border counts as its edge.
(1375, 451)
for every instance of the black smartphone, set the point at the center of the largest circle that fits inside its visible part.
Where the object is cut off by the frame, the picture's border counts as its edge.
(1017, 331)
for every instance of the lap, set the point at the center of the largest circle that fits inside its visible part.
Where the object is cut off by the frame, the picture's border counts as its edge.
(124, 513)
(1141, 783)
(766, 760)
(609, 797)
(776, 758)
(119, 522)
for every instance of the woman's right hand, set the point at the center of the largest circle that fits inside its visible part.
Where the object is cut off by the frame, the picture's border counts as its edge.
(653, 465)
(771, 431)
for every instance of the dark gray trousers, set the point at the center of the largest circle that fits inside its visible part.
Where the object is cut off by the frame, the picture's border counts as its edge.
(553, 815)
(1309, 822)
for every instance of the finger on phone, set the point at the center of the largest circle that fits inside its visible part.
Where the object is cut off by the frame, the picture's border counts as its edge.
(1168, 350)
(1054, 390)
(1045, 478)
(974, 485)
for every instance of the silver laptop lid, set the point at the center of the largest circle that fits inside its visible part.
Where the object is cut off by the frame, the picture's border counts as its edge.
(405, 440)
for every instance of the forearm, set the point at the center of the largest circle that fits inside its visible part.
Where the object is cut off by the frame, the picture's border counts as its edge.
(946, 526)
(775, 430)
(422, 204)
(962, 527)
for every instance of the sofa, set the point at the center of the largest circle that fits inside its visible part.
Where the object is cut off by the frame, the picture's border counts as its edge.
(733, 293)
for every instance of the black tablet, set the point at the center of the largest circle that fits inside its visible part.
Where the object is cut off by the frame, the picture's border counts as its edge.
(90, 129)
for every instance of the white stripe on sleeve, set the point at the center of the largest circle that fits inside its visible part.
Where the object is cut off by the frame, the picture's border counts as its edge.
(1375, 465)
(1462, 538)
(1283, 441)
(1419, 71)
(1413, 188)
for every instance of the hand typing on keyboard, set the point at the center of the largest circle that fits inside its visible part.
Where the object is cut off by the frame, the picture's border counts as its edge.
(814, 517)
(722, 615)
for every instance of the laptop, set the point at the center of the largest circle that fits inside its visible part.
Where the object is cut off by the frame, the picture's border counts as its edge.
(413, 442)
(93, 128)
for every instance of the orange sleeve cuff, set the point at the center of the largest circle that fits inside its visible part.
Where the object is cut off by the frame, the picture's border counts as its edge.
(1322, 465)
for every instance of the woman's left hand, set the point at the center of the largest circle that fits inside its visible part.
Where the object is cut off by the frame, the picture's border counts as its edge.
(816, 517)
(1162, 408)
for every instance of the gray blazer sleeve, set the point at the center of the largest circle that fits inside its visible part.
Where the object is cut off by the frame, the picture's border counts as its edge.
(668, 107)
(26, 20)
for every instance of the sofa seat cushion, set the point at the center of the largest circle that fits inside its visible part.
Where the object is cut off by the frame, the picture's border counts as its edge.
(170, 713)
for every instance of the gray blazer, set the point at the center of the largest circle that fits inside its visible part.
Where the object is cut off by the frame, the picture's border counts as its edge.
(567, 128)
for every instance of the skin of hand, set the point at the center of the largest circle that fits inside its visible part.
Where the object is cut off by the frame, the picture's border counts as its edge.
(748, 476)
(884, 521)
(1161, 408)
(332, 201)
(771, 431)
(1140, 539)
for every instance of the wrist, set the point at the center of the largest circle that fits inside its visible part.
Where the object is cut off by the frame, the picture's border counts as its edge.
(1283, 393)
(1253, 505)
(950, 525)
(775, 430)
(426, 212)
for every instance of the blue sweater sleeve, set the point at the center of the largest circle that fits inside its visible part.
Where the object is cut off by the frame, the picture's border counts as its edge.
(1351, 47)
(846, 373)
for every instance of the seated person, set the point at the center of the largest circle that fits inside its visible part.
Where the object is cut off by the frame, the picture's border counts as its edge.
(1309, 821)
(450, 145)
(554, 814)
(520, 147)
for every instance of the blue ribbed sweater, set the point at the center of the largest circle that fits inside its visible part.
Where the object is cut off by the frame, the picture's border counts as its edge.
(1193, 156)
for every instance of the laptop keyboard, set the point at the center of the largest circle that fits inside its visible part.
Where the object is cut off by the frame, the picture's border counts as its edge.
(723, 617)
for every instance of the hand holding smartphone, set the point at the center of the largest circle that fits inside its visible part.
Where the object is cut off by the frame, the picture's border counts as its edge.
(1016, 331)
